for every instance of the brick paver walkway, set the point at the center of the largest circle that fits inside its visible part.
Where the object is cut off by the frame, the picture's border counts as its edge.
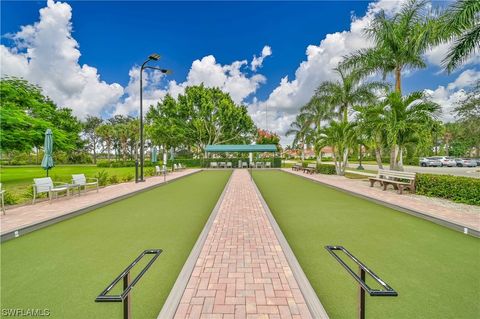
(242, 271)
(460, 214)
(26, 215)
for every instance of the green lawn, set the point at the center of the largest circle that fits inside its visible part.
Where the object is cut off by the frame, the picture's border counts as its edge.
(65, 266)
(434, 269)
(17, 180)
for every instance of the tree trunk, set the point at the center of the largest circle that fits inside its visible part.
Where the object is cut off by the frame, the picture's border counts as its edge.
(94, 152)
(378, 157)
(400, 159)
(393, 157)
(398, 79)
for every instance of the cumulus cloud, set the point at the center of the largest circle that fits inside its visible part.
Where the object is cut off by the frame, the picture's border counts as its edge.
(257, 62)
(291, 94)
(456, 91)
(438, 53)
(46, 54)
(229, 78)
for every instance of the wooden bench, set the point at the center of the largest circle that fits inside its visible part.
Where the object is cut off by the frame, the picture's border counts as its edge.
(297, 167)
(399, 180)
(310, 169)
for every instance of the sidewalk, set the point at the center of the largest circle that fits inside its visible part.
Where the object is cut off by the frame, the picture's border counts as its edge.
(27, 215)
(242, 271)
(460, 214)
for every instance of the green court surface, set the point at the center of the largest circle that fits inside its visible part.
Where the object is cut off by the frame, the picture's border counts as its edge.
(435, 270)
(63, 267)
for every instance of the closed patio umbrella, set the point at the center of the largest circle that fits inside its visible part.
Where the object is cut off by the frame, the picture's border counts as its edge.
(47, 161)
(154, 154)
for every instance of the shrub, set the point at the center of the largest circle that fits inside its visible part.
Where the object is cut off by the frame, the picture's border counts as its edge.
(102, 177)
(457, 188)
(150, 172)
(327, 169)
(127, 178)
(113, 179)
(10, 198)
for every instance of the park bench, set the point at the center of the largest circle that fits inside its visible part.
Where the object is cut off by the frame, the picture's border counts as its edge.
(46, 185)
(297, 167)
(244, 164)
(229, 165)
(310, 169)
(268, 165)
(213, 165)
(399, 180)
(82, 181)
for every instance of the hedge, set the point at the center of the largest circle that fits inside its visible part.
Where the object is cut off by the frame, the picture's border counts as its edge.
(456, 188)
(327, 169)
(190, 162)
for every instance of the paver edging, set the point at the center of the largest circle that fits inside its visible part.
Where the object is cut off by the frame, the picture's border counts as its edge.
(44, 223)
(419, 214)
(175, 296)
(313, 302)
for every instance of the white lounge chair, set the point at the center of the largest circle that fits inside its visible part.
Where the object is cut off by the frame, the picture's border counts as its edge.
(46, 185)
(82, 181)
(244, 164)
(268, 165)
(229, 164)
(161, 171)
(2, 192)
(213, 165)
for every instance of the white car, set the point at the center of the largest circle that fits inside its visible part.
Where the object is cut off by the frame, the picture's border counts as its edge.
(446, 160)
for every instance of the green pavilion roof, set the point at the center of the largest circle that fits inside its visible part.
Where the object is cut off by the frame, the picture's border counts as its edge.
(241, 148)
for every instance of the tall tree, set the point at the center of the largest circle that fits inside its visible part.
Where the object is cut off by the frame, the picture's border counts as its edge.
(346, 92)
(468, 115)
(301, 130)
(405, 119)
(106, 134)
(90, 126)
(341, 137)
(399, 42)
(460, 24)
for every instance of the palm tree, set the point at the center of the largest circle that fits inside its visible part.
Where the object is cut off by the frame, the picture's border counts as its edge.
(345, 93)
(461, 24)
(407, 119)
(341, 137)
(106, 133)
(302, 132)
(317, 111)
(399, 42)
(370, 122)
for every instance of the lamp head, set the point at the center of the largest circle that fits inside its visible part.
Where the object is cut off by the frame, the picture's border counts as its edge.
(154, 57)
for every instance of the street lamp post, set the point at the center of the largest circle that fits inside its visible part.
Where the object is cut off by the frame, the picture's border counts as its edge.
(152, 57)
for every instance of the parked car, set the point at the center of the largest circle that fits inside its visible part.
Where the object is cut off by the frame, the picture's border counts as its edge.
(478, 161)
(430, 161)
(466, 162)
(446, 160)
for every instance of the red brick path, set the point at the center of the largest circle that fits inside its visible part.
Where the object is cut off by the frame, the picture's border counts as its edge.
(242, 271)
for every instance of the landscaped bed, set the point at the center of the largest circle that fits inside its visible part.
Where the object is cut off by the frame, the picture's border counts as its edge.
(433, 268)
(63, 267)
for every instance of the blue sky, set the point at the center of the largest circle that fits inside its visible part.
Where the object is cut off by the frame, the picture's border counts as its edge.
(113, 38)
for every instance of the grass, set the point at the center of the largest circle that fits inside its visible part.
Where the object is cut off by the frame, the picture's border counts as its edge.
(17, 180)
(65, 266)
(434, 269)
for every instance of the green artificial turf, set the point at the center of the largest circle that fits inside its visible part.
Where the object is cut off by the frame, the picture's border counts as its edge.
(435, 270)
(63, 267)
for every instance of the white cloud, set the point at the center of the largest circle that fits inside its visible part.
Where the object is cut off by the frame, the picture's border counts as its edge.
(229, 78)
(45, 53)
(291, 94)
(437, 54)
(257, 62)
(448, 96)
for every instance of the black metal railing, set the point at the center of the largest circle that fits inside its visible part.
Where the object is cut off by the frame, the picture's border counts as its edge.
(127, 285)
(387, 291)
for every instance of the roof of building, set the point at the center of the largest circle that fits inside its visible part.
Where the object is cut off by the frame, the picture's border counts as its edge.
(241, 148)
